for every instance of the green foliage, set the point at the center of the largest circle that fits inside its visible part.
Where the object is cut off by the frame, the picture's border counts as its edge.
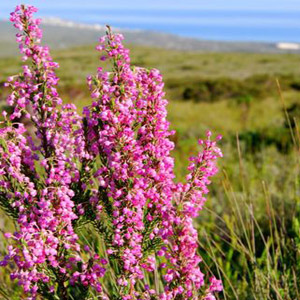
(256, 86)
(249, 233)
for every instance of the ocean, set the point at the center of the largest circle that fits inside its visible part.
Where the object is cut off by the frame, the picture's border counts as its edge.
(212, 24)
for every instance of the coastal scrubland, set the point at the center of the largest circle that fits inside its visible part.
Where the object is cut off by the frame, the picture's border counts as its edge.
(249, 232)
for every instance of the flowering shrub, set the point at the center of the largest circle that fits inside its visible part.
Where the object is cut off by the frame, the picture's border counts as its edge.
(109, 168)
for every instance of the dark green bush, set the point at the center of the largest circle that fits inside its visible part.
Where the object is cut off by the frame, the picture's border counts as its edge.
(214, 89)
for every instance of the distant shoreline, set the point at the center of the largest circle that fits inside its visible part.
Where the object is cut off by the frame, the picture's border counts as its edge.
(216, 24)
(60, 33)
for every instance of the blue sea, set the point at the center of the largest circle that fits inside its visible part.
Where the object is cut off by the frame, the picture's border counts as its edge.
(212, 24)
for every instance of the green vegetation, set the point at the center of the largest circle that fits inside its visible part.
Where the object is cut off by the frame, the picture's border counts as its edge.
(249, 231)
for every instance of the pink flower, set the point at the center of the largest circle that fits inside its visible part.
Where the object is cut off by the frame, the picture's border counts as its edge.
(111, 168)
(215, 285)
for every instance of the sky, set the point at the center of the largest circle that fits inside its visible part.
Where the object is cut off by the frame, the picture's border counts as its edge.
(252, 20)
(7, 5)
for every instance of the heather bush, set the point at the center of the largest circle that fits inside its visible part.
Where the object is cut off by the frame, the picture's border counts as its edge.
(109, 169)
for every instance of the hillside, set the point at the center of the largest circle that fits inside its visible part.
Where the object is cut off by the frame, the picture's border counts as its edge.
(63, 34)
(255, 197)
(206, 90)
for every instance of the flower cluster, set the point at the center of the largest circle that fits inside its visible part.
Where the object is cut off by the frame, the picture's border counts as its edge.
(189, 200)
(39, 169)
(110, 168)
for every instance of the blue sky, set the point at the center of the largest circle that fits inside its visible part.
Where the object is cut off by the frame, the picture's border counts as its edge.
(7, 5)
(252, 20)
